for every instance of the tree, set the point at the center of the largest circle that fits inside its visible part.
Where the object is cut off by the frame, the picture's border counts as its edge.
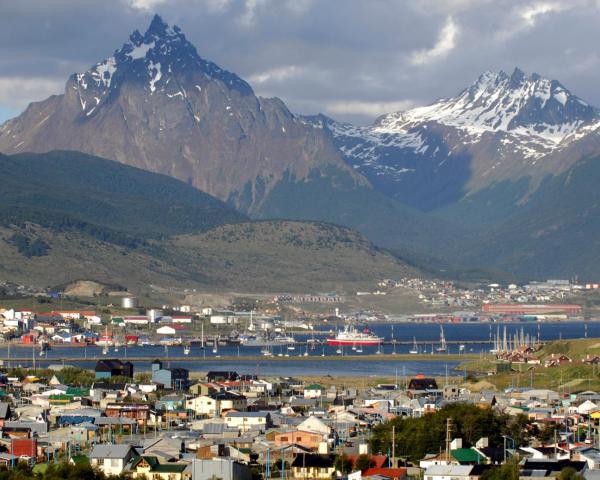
(363, 462)
(508, 471)
(570, 474)
(415, 437)
(548, 433)
(342, 464)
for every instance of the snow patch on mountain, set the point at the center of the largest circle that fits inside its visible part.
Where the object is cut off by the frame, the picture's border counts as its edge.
(529, 116)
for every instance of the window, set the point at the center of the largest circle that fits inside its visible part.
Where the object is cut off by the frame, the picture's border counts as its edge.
(100, 461)
(115, 462)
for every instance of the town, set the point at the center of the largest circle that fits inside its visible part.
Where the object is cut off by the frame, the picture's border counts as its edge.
(524, 410)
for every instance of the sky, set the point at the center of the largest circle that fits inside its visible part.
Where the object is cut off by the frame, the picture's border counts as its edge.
(350, 59)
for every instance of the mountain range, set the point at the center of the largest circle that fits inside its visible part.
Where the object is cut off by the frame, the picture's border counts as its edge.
(499, 177)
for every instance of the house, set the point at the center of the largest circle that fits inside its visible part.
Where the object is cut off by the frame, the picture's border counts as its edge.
(246, 421)
(149, 467)
(221, 376)
(313, 391)
(308, 440)
(313, 466)
(5, 413)
(388, 473)
(587, 454)
(420, 382)
(315, 425)
(174, 378)
(448, 472)
(107, 368)
(111, 459)
(214, 404)
(138, 412)
(171, 403)
(222, 468)
(534, 468)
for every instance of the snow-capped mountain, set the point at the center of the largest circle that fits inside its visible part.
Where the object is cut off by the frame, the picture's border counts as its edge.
(157, 58)
(156, 104)
(501, 126)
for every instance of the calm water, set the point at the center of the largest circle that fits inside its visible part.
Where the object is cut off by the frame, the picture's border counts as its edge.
(426, 332)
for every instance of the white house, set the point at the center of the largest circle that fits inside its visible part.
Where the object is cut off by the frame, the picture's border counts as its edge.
(315, 425)
(246, 421)
(448, 472)
(111, 459)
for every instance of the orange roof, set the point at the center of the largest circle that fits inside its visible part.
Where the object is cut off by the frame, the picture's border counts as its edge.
(378, 460)
(394, 473)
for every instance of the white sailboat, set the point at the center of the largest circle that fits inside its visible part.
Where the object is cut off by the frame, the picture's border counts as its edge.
(415, 348)
(443, 346)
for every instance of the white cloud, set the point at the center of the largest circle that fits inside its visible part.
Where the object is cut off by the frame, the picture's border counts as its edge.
(251, 8)
(277, 74)
(525, 17)
(17, 92)
(445, 43)
(372, 109)
(148, 5)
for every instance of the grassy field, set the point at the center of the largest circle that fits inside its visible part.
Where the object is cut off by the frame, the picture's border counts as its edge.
(570, 377)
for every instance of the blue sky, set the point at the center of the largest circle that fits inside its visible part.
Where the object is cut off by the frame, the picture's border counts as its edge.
(350, 59)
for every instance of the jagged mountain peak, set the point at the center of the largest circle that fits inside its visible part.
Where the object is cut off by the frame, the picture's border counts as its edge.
(159, 57)
(497, 101)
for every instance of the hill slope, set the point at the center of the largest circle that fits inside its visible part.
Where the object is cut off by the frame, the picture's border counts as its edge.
(67, 216)
(275, 256)
(50, 187)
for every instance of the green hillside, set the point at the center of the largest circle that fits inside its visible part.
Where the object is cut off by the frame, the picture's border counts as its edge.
(66, 216)
(67, 189)
(555, 232)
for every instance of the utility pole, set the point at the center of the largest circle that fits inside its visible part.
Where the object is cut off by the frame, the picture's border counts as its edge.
(393, 446)
(448, 437)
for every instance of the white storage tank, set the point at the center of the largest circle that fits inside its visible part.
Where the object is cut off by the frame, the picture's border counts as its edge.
(129, 302)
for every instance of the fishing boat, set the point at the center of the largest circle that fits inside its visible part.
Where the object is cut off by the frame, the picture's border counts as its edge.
(351, 336)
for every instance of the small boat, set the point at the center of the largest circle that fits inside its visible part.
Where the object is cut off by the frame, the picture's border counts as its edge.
(443, 346)
(186, 350)
(104, 350)
(415, 348)
(379, 350)
(359, 349)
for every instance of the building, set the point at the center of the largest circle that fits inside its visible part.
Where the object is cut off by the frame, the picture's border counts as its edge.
(246, 421)
(174, 378)
(313, 391)
(308, 440)
(214, 404)
(313, 466)
(138, 412)
(522, 309)
(148, 467)
(222, 468)
(111, 459)
(107, 368)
